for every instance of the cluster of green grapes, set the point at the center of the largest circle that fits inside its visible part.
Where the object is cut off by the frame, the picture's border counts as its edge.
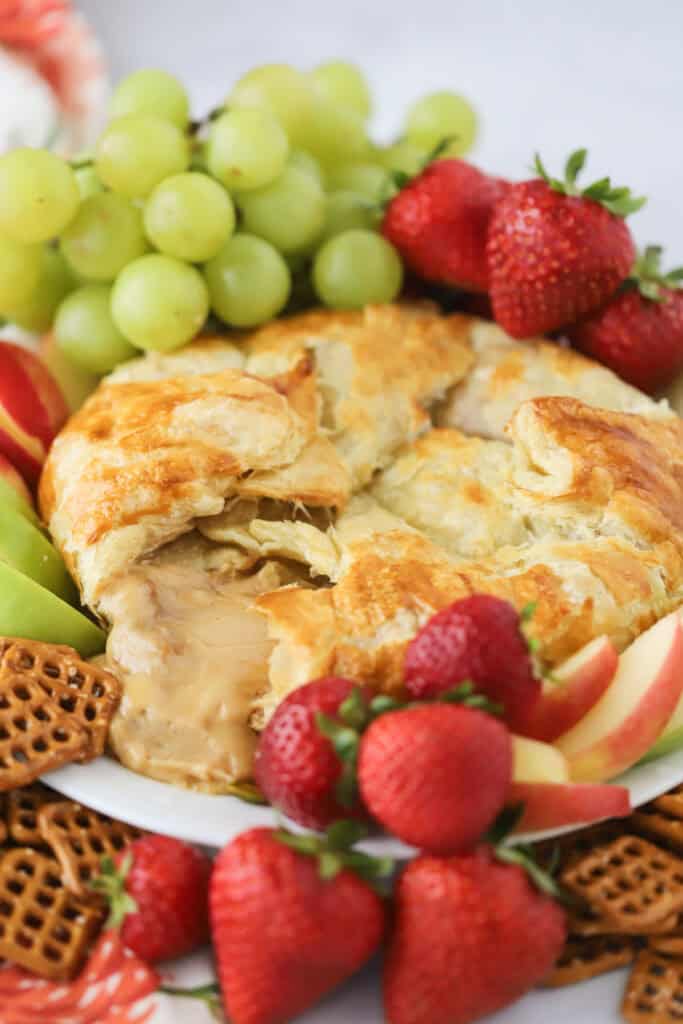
(276, 196)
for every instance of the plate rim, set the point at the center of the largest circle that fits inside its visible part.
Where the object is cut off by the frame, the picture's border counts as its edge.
(92, 785)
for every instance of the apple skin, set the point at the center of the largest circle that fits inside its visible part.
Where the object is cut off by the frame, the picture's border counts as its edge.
(553, 805)
(28, 550)
(672, 737)
(32, 410)
(635, 708)
(30, 611)
(76, 383)
(577, 685)
(14, 493)
(533, 761)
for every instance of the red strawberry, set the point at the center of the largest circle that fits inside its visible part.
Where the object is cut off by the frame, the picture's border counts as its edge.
(436, 775)
(639, 333)
(158, 893)
(287, 928)
(479, 639)
(296, 765)
(439, 223)
(556, 253)
(471, 936)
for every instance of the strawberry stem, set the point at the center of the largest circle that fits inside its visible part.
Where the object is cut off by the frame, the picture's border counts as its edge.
(617, 199)
(397, 180)
(647, 275)
(335, 851)
(528, 611)
(209, 994)
(111, 882)
(521, 855)
(466, 695)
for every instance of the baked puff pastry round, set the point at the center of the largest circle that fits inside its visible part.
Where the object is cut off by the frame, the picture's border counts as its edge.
(247, 515)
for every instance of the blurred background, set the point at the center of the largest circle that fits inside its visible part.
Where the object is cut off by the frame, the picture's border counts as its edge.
(546, 76)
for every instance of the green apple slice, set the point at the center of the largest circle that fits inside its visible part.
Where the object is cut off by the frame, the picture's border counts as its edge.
(10, 498)
(30, 611)
(666, 744)
(29, 551)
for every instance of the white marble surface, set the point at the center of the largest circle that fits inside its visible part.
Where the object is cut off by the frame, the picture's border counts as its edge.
(548, 76)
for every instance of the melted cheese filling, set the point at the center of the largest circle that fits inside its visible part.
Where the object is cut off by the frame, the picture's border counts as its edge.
(192, 654)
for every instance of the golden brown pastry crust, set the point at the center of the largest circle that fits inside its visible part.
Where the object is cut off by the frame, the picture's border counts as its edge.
(598, 494)
(379, 370)
(141, 461)
(309, 442)
(508, 372)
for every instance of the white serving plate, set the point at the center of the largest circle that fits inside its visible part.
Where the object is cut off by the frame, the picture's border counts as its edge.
(107, 786)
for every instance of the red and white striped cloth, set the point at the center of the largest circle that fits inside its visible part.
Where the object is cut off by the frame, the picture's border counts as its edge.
(115, 987)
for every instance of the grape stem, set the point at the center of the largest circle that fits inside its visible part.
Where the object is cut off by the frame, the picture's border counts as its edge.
(195, 127)
(79, 162)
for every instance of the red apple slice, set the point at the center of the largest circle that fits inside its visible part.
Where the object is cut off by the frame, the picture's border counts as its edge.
(553, 805)
(635, 708)
(577, 685)
(32, 409)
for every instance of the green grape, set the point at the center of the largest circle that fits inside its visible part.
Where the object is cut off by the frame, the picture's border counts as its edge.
(289, 214)
(344, 84)
(20, 267)
(405, 157)
(346, 210)
(138, 151)
(369, 180)
(336, 134)
(283, 91)
(37, 311)
(356, 268)
(106, 234)
(88, 182)
(247, 149)
(189, 216)
(159, 303)
(439, 116)
(372, 152)
(249, 281)
(152, 91)
(300, 160)
(86, 333)
(38, 195)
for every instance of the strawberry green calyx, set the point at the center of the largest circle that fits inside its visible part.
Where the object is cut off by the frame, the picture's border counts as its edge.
(335, 852)
(618, 200)
(526, 616)
(522, 854)
(397, 180)
(111, 882)
(344, 732)
(466, 695)
(647, 275)
(355, 715)
(208, 994)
